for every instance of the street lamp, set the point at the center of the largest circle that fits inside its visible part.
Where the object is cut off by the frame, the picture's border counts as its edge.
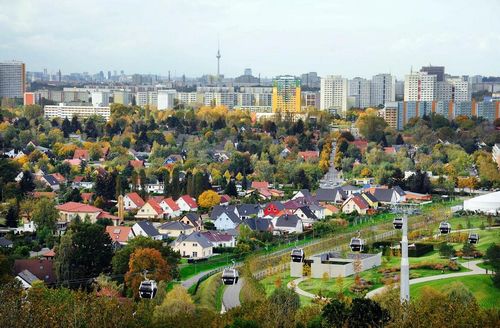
(402, 224)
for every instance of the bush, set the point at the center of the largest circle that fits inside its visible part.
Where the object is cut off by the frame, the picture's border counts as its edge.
(420, 249)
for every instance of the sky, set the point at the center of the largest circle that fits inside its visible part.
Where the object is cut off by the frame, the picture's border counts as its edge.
(273, 37)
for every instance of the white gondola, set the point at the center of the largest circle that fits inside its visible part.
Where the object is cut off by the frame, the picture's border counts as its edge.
(398, 223)
(230, 276)
(445, 227)
(473, 238)
(297, 255)
(148, 289)
(357, 244)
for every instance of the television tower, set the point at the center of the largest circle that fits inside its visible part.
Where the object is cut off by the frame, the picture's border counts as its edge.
(218, 60)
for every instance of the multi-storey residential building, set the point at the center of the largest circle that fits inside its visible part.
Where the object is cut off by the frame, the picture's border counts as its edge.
(496, 154)
(144, 98)
(218, 96)
(334, 94)
(189, 98)
(286, 94)
(310, 99)
(420, 86)
(122, 97)
(438, 71)
(383, 89)
(400, 89)
(310, 80)
(245, 99)
(360, 89)
(262, 96)
(12, 79)
(166, 99)
(390, 114)
(65, 111)
(453, 89)
(100, 98)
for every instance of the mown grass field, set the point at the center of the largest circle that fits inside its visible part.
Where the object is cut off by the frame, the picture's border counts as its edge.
(480, 285)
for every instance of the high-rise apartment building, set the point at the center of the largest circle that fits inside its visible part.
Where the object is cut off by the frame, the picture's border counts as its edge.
(420, 86)
(310, 99)
(286, 94)
(166, 99)
(122, 97)
(383, 89)
(360, 89)
(334, 94)
(100, 98)
(434, 70)
(453, 89)
(310, 80)
(390, 114)
(12, 79)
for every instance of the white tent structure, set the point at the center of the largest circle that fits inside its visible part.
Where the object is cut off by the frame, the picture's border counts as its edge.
(489, 203)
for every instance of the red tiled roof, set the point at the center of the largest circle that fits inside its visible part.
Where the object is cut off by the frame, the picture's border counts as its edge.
(136, 199)
(172, 204)
(158, 199)
(360, 202)
(389, 150)
(309, 154)
(330, 207)
(59, 177)
(225, 199)
(156, 207)
(215, 236)
(119, 234)
(77, 208)
(136, 163)
(107, 215)
(49, 253)
(81, 154)
(190, 201)
(78, 178)
(73, 162)
(360, 144)
(87, 196)
(260, 184)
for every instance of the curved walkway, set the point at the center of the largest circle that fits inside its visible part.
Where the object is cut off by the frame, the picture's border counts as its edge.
(472, 265)
(231, 297)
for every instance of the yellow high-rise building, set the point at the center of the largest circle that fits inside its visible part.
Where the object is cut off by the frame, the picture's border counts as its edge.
(286, 95)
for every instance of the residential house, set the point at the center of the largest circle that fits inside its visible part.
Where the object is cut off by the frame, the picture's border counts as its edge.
(187, 203)
(370, 199)
(220, 239)
(59, 177)
(119, 234)
(132, 201)
(317, 210)
(146, 229)
(350, 190)
(50, 181)
(330, 209)
(155, 188)
(248, 210)
(288, 223)
(194, 245)
(170, 208)
(308, 155)
(81, 154)
(285, 152)
(150, 210)
(306, 215)
(136, 163)
(226, 220)
(393, 195)
(258, 224)
(355, 203)
(81, 182)
(26, 278)
(43, 269)
(5, 243)
(303, 193)
(175, 229)
(225, 200)
(332, 196)
(273, 209)
(70, 210)
(192, 219)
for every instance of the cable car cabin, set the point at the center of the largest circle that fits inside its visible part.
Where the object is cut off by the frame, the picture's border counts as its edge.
(230, 276)
(473, 238)
(398, 223)
(148, 289)
(357, 244)
(445, 227)
(297, 255)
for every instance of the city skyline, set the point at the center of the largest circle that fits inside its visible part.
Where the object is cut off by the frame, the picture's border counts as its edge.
(324, 37)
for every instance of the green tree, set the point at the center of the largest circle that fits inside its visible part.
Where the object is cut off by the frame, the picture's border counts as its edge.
(335, 313)
(11, 219)
(45, 214)
(27, 183)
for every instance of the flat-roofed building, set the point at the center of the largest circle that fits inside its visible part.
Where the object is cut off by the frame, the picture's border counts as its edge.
(65, 111)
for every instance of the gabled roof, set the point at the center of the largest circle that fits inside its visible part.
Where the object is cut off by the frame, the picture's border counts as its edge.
(194, 218)
(81, 154)
(370, 196)
(215, 236)
(287, 220)
(257, 224)
(308, 154)
(136, 199)
(156, 207)
(305, 192)
(232, 216)
(87, 196)
(308, 213)
(276, 204)
(4, 242)
(329, 195)
(51, 180)
(260, 184)
(43, 269)
(360, 202)
(171, 203)
(27, 276)
(136, 163)
(291, 204)
(225, 199)
(398, 189)
(118, 233)
(175, 225)
(78, 208)
(148, 228)
(196, 237)
(248, 209)
(219, 209)
(189, 200)
(59, 177)
(383, 194)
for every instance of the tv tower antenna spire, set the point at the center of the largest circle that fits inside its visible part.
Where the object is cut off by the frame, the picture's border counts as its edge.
(218, 59)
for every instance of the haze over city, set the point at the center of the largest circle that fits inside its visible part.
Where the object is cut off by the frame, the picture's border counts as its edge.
(352, 38)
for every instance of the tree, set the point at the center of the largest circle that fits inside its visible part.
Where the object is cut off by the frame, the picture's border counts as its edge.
(301, 180)
(45, 214)
(493, 257)
(146, 259)
(285, 304)
(208, 199)
(367, 313)
(231, 189)
(371, 126)
(11, 219)
(27, 183)
(177, 303)
(335, 313)
(73, 196)
(446, 250)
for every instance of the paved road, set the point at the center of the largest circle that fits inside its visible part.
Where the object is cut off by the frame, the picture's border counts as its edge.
(332, 177)
(231, 297)
(194, 279)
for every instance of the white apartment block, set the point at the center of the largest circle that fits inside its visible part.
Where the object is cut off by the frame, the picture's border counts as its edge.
(220, 99)
(188, 98)
(334, 94)
(65, 111)
(453, 89)
(245, 99)
(143, 98)
(359, 88)
(166, 99)
(383, 89)
(420, 86)
(100, 98)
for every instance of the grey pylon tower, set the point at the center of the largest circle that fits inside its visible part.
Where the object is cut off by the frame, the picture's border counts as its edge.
(218, 60)
(405, 264)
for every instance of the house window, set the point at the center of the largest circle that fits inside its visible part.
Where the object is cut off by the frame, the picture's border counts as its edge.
(195, 254)
(195, 244)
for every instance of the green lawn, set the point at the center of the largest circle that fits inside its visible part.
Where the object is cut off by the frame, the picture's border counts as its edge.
(189, 270)
(269, 284)
(480, 285)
